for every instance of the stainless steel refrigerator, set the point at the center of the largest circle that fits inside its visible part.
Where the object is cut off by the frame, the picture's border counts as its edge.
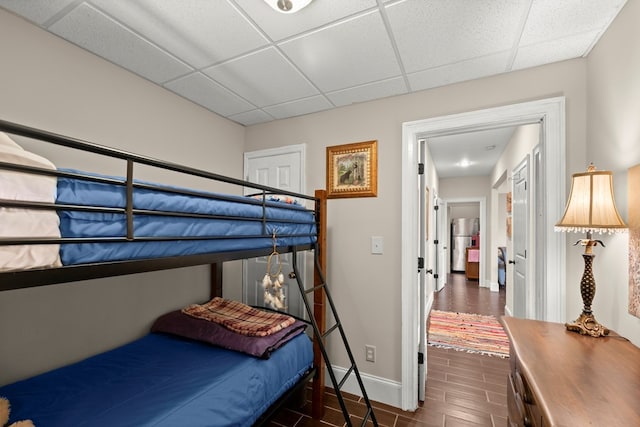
(462, 230)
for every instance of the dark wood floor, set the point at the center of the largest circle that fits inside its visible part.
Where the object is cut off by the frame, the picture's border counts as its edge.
(463, 389)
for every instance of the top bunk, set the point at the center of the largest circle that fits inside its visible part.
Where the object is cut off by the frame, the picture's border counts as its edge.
(62, 225)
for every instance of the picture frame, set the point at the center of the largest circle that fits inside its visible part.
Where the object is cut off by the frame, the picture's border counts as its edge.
(352, 170)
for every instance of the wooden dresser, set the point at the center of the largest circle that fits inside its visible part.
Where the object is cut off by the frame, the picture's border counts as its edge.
(562, 378)
(472, 264)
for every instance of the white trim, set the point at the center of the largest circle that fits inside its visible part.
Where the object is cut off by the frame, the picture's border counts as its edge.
(482, 201)
(494, 286)
(552, 113)
(378, 389)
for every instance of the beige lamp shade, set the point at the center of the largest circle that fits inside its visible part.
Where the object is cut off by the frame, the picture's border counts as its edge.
(591, 206)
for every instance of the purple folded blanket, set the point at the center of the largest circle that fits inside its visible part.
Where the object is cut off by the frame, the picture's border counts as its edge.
(180, 324)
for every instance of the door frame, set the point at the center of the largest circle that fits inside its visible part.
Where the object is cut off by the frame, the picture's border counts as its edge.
(482, 218)
(551, 112)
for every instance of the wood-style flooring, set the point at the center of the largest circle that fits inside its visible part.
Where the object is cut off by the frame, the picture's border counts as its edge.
(463, 389)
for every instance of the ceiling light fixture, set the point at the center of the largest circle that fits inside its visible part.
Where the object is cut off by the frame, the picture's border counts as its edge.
(287, 6)
(464, 163)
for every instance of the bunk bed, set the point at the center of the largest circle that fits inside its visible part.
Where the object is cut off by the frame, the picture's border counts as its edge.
(97, 226)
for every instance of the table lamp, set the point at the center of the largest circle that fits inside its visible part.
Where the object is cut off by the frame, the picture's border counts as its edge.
(591, 209)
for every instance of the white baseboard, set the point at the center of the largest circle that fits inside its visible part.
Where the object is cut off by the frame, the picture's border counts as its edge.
(507, 311)
(494, 286)
(379, 389)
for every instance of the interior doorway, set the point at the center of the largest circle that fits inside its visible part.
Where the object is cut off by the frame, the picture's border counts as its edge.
(550, 112)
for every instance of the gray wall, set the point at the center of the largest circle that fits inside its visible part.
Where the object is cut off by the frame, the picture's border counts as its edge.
(50, 84)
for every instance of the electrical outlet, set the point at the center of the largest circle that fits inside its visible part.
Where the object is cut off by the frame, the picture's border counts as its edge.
(370, 353)
(377, 245)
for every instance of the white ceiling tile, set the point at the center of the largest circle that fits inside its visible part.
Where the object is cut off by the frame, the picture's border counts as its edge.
(347, 54)
(201, 33)
(330, 54)
(36, 11)
(553, 51)
(460, 71)
(252, 117)
(367, 92)
(318, 13)
(434, 33)
(298, 108)
(550, 19)
(262, 78)
(92, 30)
(202, 90)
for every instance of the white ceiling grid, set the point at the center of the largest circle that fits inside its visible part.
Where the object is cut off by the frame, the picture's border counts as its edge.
(251, 64)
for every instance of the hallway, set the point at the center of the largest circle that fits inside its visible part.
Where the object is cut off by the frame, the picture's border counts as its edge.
(463, 389)
(465, 296)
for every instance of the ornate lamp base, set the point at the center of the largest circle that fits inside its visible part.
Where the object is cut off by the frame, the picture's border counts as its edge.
(586, 324)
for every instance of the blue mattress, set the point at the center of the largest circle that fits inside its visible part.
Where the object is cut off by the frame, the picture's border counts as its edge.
(292, 224)
(160, 380)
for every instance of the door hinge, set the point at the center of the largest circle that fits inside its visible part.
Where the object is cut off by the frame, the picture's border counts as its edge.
(420, 358)
(435, 276)
(436, 207)
(420, 262)
(420, 168)
(436, 242)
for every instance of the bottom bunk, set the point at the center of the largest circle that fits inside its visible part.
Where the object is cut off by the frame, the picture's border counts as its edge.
(164, 379)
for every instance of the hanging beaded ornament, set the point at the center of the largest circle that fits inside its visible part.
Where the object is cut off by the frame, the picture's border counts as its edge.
(272, 282)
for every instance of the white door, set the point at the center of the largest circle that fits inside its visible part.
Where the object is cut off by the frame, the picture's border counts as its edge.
(520, 227)
(279, 168)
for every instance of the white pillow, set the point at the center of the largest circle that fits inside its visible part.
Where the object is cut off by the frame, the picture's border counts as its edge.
(8, 142)
(15, 222)
(15, 154)
(25, 186)
(28, 223)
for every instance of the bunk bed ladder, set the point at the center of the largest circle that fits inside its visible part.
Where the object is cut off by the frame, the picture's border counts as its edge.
(320, 288)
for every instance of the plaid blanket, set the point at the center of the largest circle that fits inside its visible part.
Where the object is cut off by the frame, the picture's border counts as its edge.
(239, 317)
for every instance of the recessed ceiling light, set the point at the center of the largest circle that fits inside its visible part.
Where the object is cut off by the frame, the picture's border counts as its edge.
(464, 163)
(490, 147)
(287, 6)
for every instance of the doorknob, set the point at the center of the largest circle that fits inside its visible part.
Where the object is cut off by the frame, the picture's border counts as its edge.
(511, 261)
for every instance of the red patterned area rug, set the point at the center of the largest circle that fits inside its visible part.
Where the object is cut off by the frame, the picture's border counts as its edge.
(473, 333)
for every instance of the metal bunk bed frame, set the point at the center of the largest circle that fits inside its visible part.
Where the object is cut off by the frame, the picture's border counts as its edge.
(316, 310)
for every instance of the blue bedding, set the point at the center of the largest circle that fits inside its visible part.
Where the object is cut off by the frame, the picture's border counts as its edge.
(293, 225)
(160, 380)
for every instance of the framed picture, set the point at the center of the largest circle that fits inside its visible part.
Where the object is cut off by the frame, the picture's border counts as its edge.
(509, 202)
(352, 170)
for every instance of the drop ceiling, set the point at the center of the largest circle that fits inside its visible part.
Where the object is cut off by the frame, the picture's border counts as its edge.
(244, 61)
(469, 154)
